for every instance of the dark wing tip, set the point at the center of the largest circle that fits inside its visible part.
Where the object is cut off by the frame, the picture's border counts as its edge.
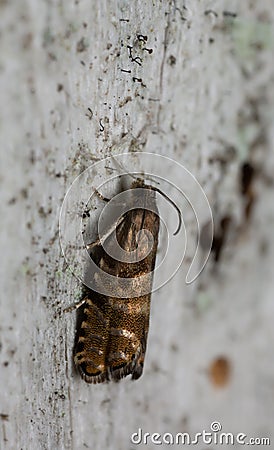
(97, 377)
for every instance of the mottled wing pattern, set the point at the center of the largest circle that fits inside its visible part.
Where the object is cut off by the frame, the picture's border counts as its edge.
(111, 339)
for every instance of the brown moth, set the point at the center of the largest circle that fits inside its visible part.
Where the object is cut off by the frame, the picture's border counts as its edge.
(112, 333)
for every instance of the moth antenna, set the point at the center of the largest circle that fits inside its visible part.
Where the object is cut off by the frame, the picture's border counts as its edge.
(157, 190)
(135, 176)
(174, 205)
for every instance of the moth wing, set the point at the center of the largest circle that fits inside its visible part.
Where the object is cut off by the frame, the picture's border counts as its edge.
(138, 369)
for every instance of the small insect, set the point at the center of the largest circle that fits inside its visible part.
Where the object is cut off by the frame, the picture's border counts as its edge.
(112, 334)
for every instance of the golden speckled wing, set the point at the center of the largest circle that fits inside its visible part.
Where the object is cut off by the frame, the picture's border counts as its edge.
(112, 334)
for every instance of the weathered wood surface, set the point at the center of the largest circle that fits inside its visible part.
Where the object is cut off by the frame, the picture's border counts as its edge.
(201, 93)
